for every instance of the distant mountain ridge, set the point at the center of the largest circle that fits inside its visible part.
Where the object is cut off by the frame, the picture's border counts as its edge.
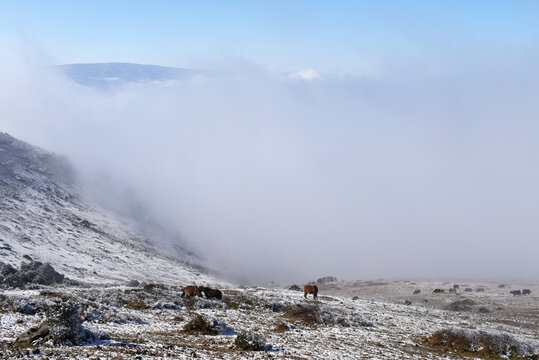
(113, 75)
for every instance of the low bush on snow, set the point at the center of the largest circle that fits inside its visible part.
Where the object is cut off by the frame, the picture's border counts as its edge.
(202, 325)
(461, 305)
(251, 341)
(482, 344)
(311, 315)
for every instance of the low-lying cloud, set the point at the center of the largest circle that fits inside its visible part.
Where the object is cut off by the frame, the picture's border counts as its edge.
(273, 178)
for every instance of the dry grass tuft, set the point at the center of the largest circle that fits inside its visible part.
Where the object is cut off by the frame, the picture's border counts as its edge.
(151, 287)
(199, 326)
(307, 314)
(479, 344)
(281, 327)
(461, 305)
(135, 304)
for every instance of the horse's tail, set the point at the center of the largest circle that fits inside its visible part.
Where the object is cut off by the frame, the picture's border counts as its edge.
(315, 291)
(183, 293)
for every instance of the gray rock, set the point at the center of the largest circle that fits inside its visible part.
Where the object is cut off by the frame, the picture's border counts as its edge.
(6, 269)
(46, 275)
(133, 283)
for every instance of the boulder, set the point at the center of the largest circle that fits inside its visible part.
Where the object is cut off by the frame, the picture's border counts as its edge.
(46, 275)
(133, 283)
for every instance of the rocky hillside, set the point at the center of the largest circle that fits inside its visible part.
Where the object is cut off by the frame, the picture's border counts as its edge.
(43, 217)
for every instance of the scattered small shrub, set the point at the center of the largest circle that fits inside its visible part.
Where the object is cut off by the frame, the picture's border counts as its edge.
(461, 305)
(134, 304)
(49, 293)
(308, 314)
(153, 287)
(326, 279)
(274, 306)
(23, 306)
(201, 325)
(281, 327)
(178, 319)
(251, 341)
(65, 325)
(479, 343)
(484, 310)
(294, 288)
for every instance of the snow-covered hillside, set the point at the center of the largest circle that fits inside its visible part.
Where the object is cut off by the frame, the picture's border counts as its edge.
(43, 216)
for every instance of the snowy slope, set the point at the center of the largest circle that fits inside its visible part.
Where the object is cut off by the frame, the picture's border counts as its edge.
(43, 215)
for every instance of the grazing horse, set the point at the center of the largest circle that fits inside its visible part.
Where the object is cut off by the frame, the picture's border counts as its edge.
(191, 290)
(211, 293)
(310, 289)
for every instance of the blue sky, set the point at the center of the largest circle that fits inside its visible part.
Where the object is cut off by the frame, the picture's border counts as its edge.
(357, 37)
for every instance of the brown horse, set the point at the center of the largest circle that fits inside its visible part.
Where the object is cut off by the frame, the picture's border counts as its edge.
(191, 290)
(211, 293)
(310, 289)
